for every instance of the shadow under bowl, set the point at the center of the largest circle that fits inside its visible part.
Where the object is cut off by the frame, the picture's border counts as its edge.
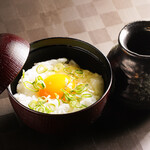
(88, 57)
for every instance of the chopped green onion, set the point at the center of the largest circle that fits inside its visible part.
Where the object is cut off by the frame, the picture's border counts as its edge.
(77, 97)
(58, 67)
(36, 85)
(32, 104)
(83, 106)
(80, 88)
(50, 108)
(41, 101)
(87, 95)
(30, 86)
(64, 100)
(38, 78)
(76, 104)
(80, 106)
(40, 109)
(47, 110)
(68, 97)
(73, 103)
(67, 70)
(79, 71)
(39, 83)
(38, 105)
(41, 69)
(23, 73)
(57, 97)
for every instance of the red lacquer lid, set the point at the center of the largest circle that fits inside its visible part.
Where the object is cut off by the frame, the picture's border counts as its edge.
(14, 52)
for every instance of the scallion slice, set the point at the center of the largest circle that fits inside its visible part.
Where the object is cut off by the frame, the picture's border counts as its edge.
(39, 83)
(79, 71)
(30, 86)
(68, 97)
(41, 101)
(86, 95)
(67, 70)
(50, 108)
(36, 85)
(58, 67)
(40, 109)
(73, 103)
(32, 104)
(23, 73)
(41, 69)
(80, 88)
(57, 97)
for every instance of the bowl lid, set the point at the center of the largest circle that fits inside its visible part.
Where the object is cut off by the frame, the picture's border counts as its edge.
(14, 52)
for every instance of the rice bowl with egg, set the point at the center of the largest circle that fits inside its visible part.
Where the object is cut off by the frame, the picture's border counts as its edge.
(59, 86)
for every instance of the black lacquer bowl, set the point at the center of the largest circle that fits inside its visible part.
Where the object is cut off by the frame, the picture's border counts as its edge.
(88, 57)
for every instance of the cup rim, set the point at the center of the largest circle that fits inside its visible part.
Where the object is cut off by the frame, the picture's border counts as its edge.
(125, 30)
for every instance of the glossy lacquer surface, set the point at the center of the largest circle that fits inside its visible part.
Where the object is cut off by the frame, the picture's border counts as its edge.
(13, 54)
(88, 57)
(130, 61)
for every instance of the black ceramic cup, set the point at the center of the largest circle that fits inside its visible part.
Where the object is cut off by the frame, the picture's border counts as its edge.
(130, 61)
(88, 57)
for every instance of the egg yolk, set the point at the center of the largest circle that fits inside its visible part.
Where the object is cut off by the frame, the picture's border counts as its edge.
(54, 84)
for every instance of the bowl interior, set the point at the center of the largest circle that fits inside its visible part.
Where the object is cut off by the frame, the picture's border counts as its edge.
(87, 56)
